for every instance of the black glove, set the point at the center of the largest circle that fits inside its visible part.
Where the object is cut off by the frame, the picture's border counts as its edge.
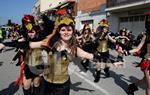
(96, 57)
(21, 45)
(126, 52)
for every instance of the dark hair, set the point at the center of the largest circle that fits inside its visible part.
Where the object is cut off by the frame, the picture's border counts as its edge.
(64, 25)
(147, 23)
(72, 43)
(121, 31)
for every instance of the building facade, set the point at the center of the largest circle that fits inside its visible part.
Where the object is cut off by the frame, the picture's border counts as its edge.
(90, 11)
(84, 11)
(127, 13)
(36, 8)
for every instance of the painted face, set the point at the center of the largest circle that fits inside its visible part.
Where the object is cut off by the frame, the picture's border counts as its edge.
(31, 34)
(66, 33)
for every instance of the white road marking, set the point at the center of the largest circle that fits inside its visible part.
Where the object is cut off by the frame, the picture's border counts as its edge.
(91, 83)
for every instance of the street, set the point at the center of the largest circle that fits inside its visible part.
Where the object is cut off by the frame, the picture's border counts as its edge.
(81, 83)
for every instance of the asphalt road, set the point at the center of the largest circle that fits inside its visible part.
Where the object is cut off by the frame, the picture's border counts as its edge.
(81, 83)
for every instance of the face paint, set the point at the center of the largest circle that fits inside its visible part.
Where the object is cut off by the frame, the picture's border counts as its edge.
(29, 26)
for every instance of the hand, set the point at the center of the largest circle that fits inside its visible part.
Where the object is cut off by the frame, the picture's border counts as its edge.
(96, 57)
(126, 52)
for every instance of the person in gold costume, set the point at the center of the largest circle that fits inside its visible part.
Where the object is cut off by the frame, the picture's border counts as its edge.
(87, 43)
(122, 43)
(31, 64)
(63, 47)
(102, 49)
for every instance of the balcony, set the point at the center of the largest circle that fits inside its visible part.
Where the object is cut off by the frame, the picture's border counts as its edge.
(115, 3)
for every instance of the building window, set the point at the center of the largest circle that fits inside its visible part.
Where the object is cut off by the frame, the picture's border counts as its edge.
(132, 18)
(124, 19)
(142, 18)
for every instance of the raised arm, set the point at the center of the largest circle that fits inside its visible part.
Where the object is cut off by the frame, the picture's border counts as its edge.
(111, 39)
(83, 54)
(36, 44)
(139, 46)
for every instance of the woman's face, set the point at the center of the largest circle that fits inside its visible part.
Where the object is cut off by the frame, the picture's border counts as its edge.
(31, 34)
(66, 32)
(123, 33)
(105, 30)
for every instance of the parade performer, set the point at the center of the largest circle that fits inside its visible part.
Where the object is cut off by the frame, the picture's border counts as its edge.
(87, 44)
(145, 63)
(102, 49)
(63, 48)
(122, 43)
(32, 58)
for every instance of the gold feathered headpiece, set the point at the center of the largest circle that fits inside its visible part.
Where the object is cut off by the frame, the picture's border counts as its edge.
(67, 21)
(63, 20)
(87, 26)
(104, 23)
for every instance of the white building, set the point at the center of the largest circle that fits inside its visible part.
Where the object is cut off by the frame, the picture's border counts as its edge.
(36, 8)
(91, 11)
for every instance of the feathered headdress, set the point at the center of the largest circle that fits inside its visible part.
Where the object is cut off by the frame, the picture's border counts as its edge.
(54, 37)
(104, 23)
(66, 20)
(28, 22)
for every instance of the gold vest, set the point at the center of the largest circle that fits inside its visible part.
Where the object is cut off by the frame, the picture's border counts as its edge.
(122, 41)
(103, 45)
(57, 69)
(33, 57)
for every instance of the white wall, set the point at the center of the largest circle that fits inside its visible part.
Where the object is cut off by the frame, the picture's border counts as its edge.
(49, 4)
(83, 17)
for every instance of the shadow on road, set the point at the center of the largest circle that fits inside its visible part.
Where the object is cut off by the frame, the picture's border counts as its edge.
(11, 90)
(133, 79)
(5, 50)
(76, 87)
(118, 79)
(1, 63)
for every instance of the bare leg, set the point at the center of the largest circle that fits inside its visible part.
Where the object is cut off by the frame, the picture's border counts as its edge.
(36, 86)
(147, 78)
(26, 86)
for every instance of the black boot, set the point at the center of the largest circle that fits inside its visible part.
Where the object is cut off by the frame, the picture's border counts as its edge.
(85, 64)
(120, 59)
(36, 90)
(107, 74)
(27, 92)
(97, 76)
(132, 88)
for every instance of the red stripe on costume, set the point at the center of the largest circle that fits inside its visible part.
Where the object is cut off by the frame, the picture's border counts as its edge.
(20, 78)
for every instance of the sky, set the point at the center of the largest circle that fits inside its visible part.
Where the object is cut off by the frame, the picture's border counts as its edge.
(15, 10)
